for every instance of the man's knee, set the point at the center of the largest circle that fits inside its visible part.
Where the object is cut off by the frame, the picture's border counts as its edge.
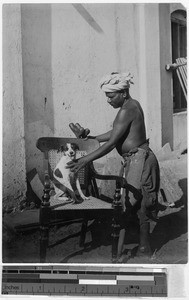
(143, 216)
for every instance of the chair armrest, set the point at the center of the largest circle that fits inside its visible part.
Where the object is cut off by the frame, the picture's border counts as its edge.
(121, 182)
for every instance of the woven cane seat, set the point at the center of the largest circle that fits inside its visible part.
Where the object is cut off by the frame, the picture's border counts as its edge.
(92, 203)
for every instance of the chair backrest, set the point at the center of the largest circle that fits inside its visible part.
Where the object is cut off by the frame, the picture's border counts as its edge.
(50, 145)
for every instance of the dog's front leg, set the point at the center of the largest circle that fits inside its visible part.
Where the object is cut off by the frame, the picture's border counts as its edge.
(72, 189)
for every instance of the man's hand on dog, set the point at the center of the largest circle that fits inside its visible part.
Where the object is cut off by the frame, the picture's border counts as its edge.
(77, 164)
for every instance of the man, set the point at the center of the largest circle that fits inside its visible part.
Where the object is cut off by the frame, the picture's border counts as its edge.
(140, 166)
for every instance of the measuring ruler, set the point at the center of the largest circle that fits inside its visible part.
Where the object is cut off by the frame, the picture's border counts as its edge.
(84, 281)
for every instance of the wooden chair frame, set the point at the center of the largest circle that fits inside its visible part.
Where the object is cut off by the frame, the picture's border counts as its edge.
(49, 216)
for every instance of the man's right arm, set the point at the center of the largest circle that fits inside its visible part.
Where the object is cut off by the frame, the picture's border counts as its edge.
(104, 137)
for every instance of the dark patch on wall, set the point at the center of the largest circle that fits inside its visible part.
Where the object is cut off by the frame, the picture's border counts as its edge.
(45, 100)
(85, 14)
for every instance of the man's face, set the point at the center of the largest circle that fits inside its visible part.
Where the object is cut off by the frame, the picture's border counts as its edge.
(115, 99)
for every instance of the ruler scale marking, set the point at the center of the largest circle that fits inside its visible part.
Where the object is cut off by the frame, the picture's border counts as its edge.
(79, 280)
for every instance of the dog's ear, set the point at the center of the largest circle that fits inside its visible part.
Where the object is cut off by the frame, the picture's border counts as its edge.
(61, 149)
(75, 146)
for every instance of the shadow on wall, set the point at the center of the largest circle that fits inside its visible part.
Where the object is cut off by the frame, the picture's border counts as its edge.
(36, 27)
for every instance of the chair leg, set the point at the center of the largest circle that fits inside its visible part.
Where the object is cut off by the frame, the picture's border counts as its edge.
(115, 239)
(117, 205)
(44, 219)
(44, 239)
(83, 233)
(121, 242)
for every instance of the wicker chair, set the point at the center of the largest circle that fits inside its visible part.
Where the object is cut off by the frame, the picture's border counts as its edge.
(53, 212)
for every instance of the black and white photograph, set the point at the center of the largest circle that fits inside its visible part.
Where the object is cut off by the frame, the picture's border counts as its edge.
(94, 149)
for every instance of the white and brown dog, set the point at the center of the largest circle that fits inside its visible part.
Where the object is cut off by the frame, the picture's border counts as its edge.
(66, 183)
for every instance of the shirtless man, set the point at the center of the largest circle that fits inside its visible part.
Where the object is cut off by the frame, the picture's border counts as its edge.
(140, 165)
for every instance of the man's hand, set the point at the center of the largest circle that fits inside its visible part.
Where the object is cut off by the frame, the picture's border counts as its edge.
(77, 164)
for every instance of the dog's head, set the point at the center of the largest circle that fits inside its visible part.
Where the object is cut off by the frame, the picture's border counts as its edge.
(69, 150)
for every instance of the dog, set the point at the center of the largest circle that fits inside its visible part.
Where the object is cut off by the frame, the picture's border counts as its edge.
(65, 182)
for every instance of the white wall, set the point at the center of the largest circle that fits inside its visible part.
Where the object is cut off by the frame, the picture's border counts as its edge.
(37, 85)
(85, 47)
(14, 170)
(166, 77)
(67, 48)
(149, 70)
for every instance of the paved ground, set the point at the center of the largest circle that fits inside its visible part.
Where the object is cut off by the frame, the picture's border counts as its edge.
(168, 239)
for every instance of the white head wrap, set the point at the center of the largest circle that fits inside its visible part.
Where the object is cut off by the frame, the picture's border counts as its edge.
(116, 82)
